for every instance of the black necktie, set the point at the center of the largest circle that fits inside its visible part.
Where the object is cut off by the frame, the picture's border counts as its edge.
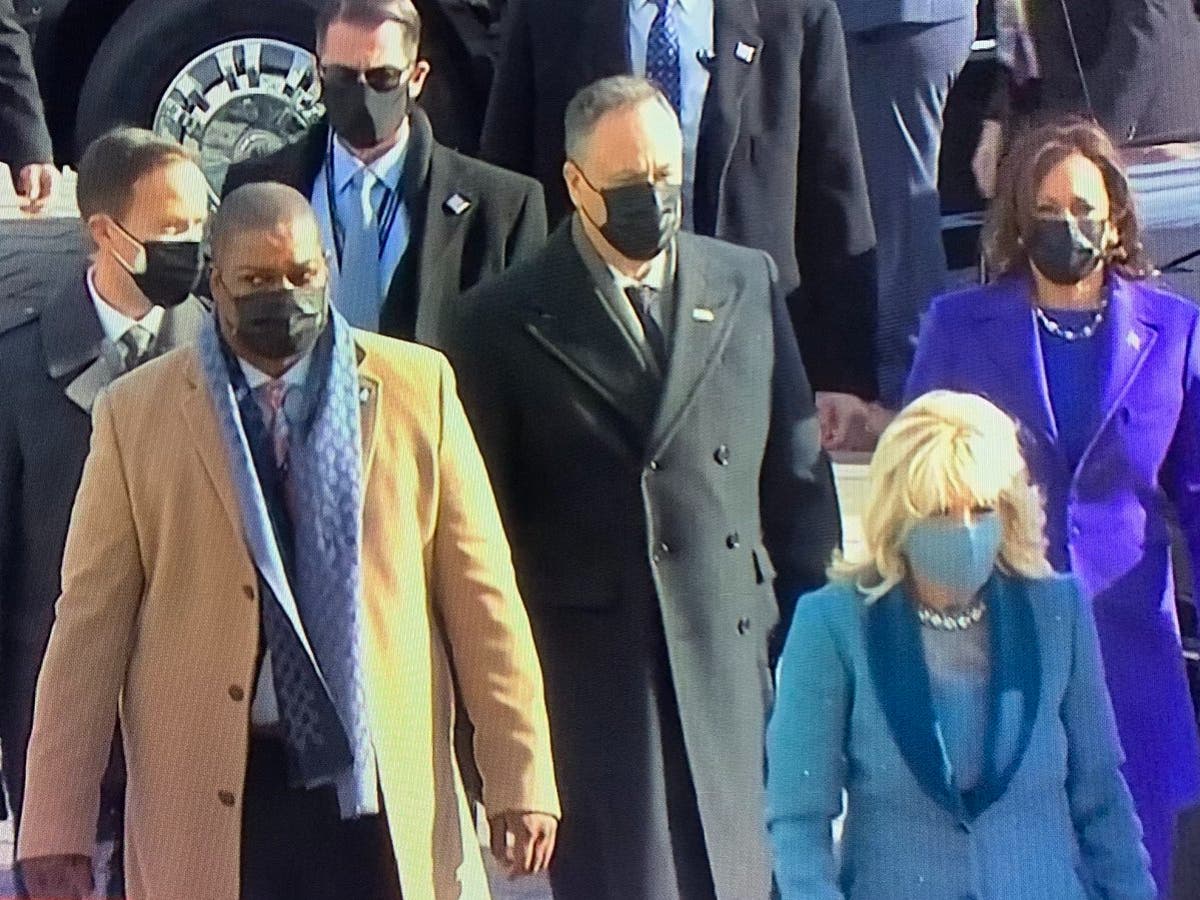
(643, 298)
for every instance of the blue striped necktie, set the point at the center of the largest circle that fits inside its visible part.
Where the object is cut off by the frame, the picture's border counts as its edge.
(662, 53)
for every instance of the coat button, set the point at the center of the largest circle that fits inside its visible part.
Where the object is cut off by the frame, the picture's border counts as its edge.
(236, 693)
(248, 590)
(226, 798)
(721, 455)
(733, 541)
(743, 626)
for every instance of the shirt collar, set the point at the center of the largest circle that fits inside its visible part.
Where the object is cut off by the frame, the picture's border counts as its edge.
(656, 277)
(293, 377)
(388, 168)
(635, 5)
(115, 323)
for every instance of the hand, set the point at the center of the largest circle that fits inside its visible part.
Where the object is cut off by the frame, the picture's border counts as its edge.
(987, 158)
(35, 185)
(66, 877)
(523, 842)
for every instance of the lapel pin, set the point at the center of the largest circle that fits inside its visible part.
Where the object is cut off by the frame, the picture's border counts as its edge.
(745, 52)
(457, 204)
(364, 395)
(1133, 340)
(700, 314)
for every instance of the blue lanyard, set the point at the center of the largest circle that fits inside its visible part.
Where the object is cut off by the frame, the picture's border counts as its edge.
(386, 215)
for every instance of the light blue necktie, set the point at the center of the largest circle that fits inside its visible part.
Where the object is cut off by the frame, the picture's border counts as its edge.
(662, 54)
(359, 298)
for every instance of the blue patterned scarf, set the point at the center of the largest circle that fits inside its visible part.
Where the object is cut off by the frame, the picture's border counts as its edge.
(322, 601)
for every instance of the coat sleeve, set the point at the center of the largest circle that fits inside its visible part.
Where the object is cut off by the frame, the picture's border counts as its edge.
(508, 126)
(800, 516)
(1181, 472)
(835, 310)
(1114, 864)
(85, 664)
(933, 365)
(528, 234)
(490, 641)
(1124, 79)
(23, 135)
(806, 768)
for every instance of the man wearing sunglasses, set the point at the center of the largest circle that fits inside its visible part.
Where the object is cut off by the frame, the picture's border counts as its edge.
(409, 224)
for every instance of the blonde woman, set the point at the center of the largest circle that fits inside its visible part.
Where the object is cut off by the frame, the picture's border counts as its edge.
(951, 685)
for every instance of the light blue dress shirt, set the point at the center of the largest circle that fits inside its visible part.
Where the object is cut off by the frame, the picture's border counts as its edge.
(694, 25)
(388, 169)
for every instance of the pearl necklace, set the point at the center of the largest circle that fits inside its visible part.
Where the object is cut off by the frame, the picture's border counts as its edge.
(942, 621)
(1071, 334)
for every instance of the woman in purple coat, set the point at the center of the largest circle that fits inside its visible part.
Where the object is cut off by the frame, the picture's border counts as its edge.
(1102, 369)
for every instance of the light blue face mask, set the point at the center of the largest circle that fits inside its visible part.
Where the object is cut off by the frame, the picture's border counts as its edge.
(952, 553)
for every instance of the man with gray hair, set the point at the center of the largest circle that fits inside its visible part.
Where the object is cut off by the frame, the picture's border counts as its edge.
(651, 436)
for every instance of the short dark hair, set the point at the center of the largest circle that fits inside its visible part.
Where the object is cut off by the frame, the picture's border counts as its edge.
(258, 206)
(371, 13)
(1025, 166)
(599, 98)
(115, 161)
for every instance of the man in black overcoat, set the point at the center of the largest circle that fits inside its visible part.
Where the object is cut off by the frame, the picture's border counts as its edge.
(652, 438)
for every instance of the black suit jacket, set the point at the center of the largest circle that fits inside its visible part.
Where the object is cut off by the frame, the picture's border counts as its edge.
(452, 248)
(1140, 59)
(778, 166)
(51, 368)
(23, 135)
(644, 519)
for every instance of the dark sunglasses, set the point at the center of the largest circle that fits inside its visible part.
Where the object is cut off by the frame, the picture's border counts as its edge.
(380, 79)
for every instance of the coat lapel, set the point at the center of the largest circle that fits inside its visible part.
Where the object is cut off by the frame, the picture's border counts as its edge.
(370, 389)
(604, 38)
(1131, 335)
(696, 339)
(445, 221)
(737, 44)
(1011, 339)
(1016, 668)
(901, 679)
(73, 343)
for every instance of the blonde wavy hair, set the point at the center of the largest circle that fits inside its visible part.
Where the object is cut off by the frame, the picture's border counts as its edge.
(946, 450)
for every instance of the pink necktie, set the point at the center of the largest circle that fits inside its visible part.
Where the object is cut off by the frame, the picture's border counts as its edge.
(274, 393)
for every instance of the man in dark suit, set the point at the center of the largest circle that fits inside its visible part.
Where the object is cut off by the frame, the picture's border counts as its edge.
(410, 223)
(24, 141)
(652, 438)
(145, 203)
(771, 155)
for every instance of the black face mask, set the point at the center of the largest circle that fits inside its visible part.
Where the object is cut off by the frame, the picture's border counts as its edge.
(362, 116)
(641, 218)
(173, 269)
(1066, 250)
(280, 324)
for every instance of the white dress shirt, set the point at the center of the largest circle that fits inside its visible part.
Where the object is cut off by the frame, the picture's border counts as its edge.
(694, 27)
(264, 711)
(115, 323)
(389, 169)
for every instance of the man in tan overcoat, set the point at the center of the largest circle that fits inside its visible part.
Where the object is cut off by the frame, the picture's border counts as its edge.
(284, 554)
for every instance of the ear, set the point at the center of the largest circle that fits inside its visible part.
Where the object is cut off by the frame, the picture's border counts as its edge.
(416, 83)
(576, 187)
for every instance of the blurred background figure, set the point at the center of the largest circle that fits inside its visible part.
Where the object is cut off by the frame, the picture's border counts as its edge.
(144, 201)
(952, 686)
(1102, 369)
(24, 141)
(410, 224)
(1133, 65)
(904, 56)
(770, 148)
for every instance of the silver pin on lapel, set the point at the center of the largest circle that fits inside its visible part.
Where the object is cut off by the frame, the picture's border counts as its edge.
(745, 52)
(457, 204)
(364, 394)
(1133, 340)
(701, 314)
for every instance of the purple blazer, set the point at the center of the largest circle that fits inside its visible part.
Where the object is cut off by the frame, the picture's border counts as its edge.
(1106, 520)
